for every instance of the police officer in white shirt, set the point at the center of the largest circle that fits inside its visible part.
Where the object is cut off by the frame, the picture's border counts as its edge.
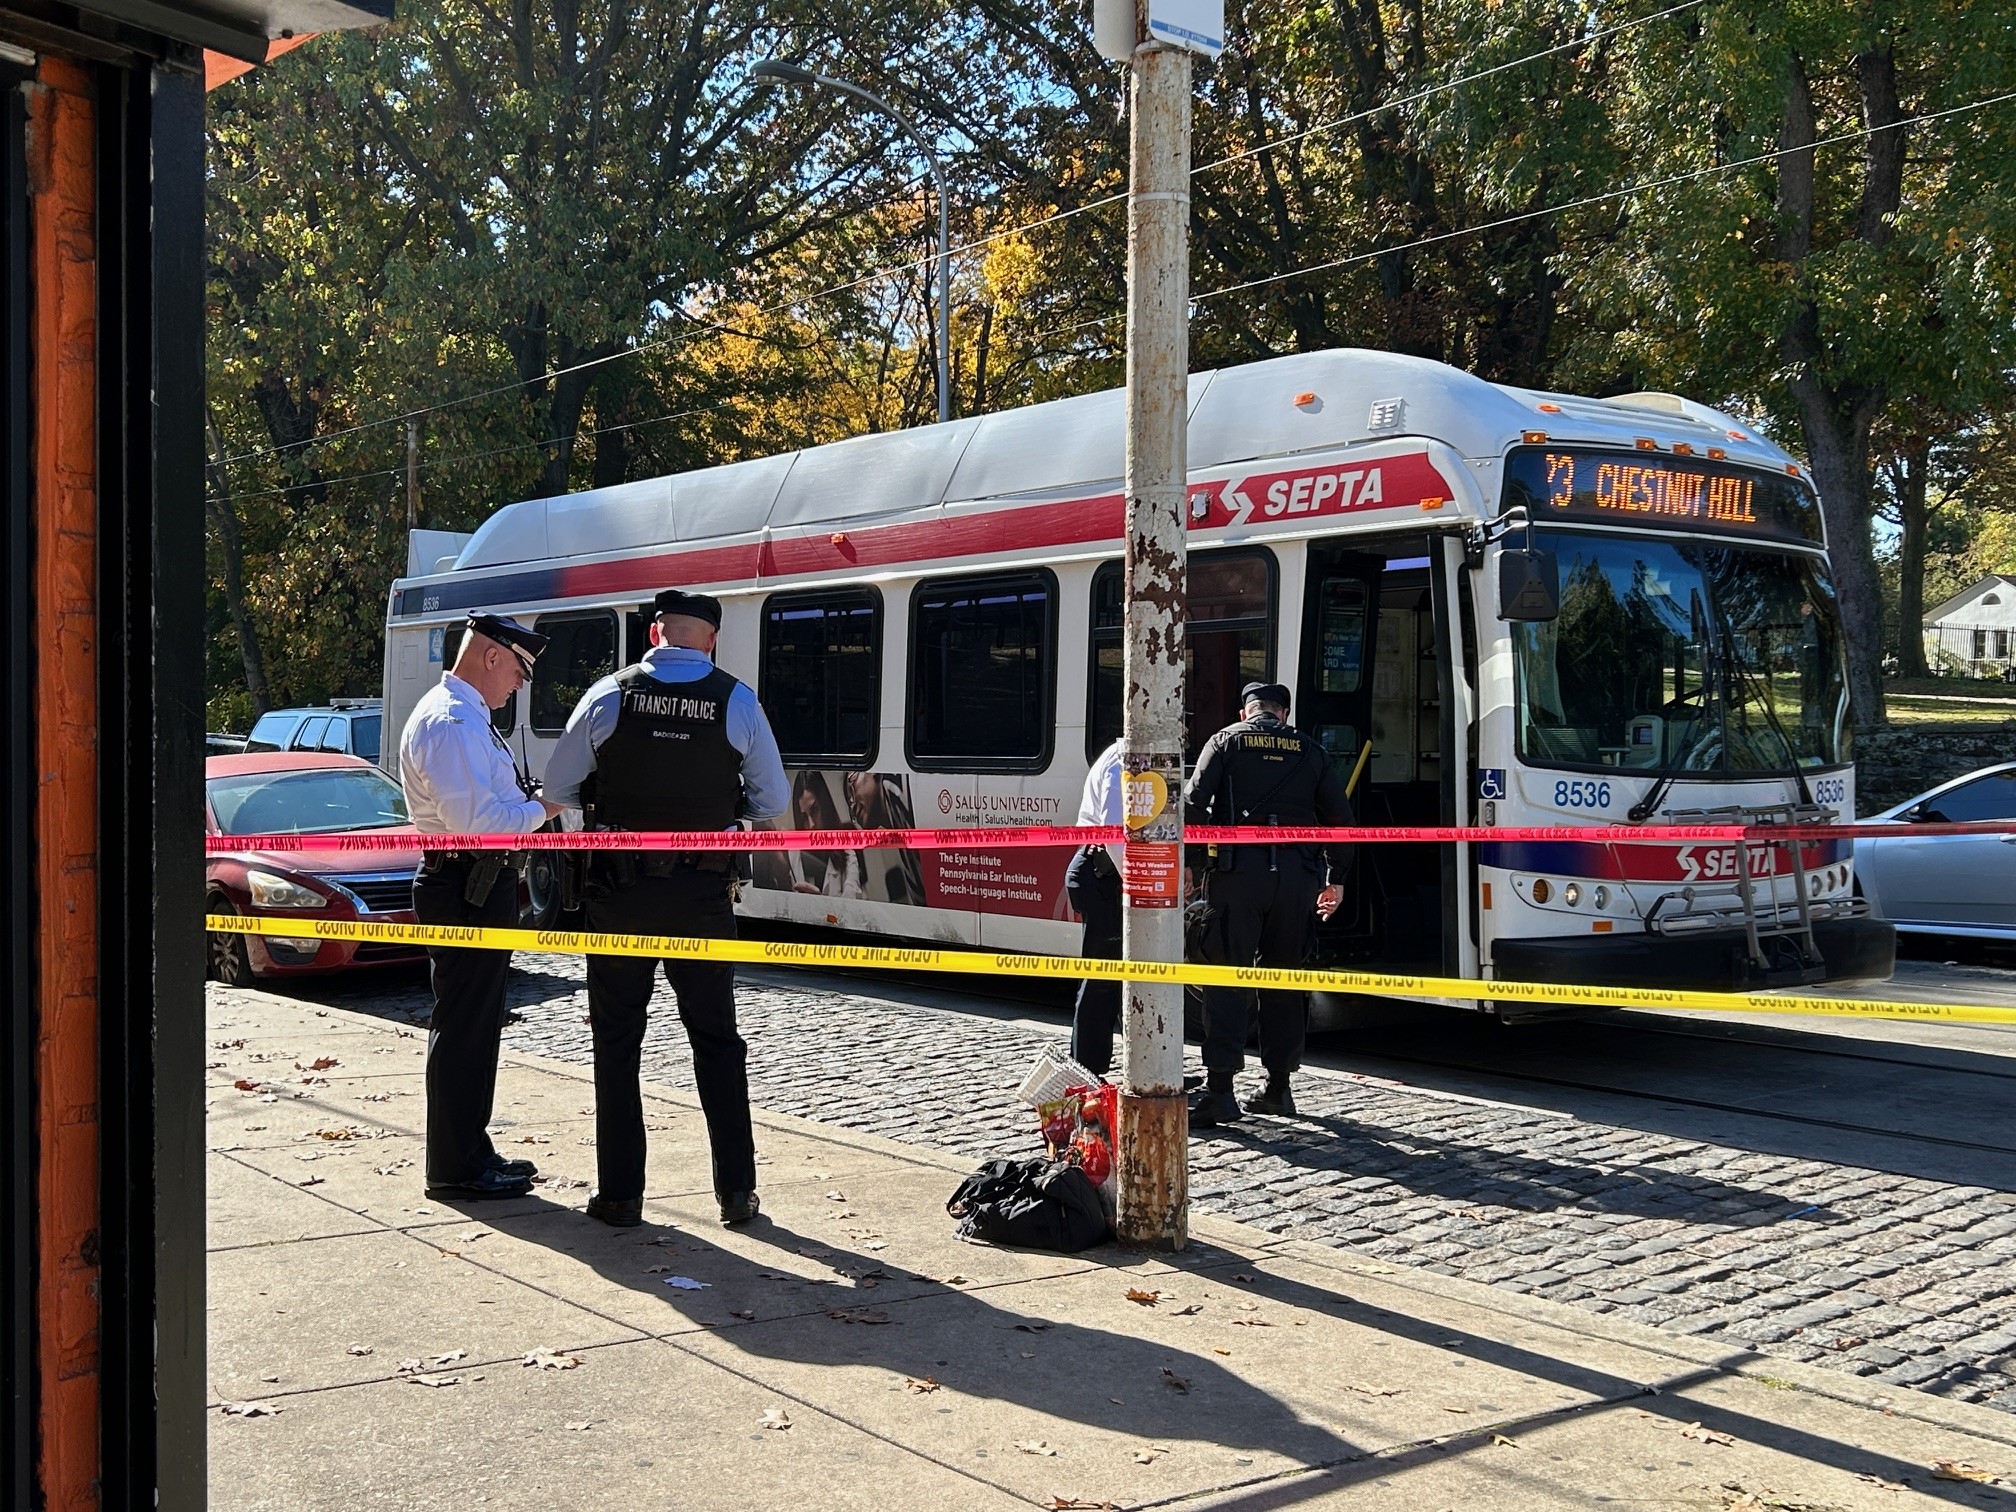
(459, 780)
(1093, 885)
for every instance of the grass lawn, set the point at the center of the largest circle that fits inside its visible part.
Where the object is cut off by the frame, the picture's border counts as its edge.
(1949, 700)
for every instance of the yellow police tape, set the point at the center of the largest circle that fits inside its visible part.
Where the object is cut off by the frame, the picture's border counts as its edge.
(984, 963)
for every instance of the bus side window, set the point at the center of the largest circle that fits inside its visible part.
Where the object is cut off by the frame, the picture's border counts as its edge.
(821, 675)
(983, 673)
(580, 651)
(1228, 641)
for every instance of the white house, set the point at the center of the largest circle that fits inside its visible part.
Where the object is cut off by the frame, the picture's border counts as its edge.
(1974, 632)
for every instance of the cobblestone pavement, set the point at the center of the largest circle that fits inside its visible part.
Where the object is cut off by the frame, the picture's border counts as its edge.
(1904, 1280)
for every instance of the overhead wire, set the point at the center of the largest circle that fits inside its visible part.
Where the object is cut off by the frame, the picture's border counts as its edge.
(904, 267)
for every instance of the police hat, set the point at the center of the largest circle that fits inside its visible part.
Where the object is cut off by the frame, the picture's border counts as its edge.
(1273, 693)
(694, 605)
(508, 632)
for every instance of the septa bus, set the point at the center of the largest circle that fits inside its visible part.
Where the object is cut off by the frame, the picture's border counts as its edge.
(932, 619)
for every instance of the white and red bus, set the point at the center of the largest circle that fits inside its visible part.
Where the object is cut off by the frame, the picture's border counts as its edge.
(932, 619)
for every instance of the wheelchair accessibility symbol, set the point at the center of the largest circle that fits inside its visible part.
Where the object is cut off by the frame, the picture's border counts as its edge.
(1491, 782)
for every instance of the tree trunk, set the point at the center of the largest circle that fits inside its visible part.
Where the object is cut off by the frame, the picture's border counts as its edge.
(1915, 521)
(225, 514)
(1838, 448)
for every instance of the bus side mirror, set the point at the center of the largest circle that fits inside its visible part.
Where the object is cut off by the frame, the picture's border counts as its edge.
(1529, 584)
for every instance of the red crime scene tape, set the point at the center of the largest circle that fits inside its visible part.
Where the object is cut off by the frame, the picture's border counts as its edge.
(1035, 835)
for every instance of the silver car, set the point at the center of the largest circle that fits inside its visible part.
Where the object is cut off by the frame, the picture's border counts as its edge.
(1962, 885)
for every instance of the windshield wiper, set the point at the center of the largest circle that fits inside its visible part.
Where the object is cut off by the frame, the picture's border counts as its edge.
(1762, 694)
(1697, 627)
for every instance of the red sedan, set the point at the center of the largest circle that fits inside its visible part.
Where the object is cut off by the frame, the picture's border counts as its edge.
(303, 792)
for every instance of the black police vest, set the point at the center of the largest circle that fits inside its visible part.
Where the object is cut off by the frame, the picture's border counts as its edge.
(668, 764)
(1272, 771)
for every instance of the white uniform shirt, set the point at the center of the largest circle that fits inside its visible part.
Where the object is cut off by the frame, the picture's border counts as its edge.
(1104, 801)
(457, 775)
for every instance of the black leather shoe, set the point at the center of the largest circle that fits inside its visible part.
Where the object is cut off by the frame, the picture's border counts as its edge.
(491, 1183)
(617, 1212)
(524, 1170)
(1276, 1099)
(1210, 1109)
(738, 1207)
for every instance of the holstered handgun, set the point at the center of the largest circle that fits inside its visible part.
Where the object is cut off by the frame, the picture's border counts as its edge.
(482, 877)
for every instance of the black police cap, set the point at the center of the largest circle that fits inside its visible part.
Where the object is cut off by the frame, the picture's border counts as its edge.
(1273, 693)
(508, 632)
(693, 605)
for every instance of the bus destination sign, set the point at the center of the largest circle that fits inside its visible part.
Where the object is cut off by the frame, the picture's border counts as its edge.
(1652, 489)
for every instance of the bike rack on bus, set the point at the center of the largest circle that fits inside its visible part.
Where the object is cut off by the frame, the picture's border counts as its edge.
(1811, 965)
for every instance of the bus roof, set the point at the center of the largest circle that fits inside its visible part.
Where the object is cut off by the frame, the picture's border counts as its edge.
(1278, 407)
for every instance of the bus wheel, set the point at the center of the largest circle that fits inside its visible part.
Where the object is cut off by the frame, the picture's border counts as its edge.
(542, 892)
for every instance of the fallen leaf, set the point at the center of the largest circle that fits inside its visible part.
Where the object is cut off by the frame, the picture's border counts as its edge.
(1249, 1306)
(436, 1380)
(743, 1312)
(656, 1270)
(1035, 1446)
(1174, 1381)
(243, 1085)
(1959, 1470)
(922, 1387)
(956, 1279)
(836, 1196)
(237, 1044)
(251, 1409)
(1380, 1391)
(773, 1417)
(579, 1427)
(1080, 1504)
(308, 1181)
(377, 1097)
(1187, 1309)
(270, 1380)
(407, 1367)
(1705, 1435)
(1145, 1298)
(358, 1349)
(1464, 1410)
(1243, 1278)
(1880, 1483)
(1031, 1327)
(1499, 1438)
(323, 1063)
(858, 1314)
(345, 1132)
(1251, 1323)
(545, 1359)
(1221, 1351)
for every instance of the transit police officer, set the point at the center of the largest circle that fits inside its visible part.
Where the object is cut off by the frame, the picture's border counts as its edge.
(1262, 899)
(673, 743)
(459, 780)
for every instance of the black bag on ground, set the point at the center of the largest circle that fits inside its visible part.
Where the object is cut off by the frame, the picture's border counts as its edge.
(1033, 1204)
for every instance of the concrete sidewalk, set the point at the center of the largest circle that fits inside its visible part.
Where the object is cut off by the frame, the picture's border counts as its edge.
(368, 1346)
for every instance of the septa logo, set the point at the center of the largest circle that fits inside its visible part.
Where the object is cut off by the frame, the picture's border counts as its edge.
(1408, 480)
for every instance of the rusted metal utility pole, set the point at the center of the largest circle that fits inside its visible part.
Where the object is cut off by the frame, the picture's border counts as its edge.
(1153, 1144)
(412, 474)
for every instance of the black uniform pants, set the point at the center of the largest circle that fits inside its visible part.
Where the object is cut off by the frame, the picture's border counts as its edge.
(687, 902)
(1258, 918)
(468, 1018)
(1093, 886)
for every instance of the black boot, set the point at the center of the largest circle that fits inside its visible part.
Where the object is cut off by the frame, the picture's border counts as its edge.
(1216, 1104)
(1277, 1099)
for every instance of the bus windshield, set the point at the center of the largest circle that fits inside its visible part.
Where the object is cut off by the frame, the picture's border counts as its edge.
(1668, 655)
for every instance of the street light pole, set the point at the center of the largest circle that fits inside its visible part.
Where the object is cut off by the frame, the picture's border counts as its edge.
(1153, 1135)
(789, 73)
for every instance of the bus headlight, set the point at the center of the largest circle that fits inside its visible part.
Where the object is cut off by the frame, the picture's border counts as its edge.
(1601, 897)
(1572, 894)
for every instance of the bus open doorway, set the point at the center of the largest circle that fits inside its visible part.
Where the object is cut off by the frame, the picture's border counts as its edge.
(1375, 670)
